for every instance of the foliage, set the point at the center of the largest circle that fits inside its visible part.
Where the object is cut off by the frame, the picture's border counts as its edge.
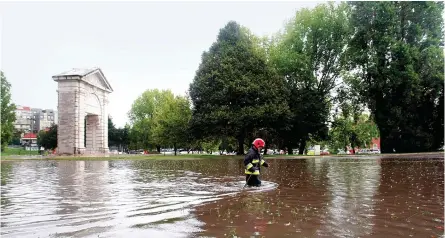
(234, 90)
(159, 118)
(210, 145)
(143, 117)
(7, 112)
(309, 56)
(118, 136)
(16, 136)
(346, 57)
(347, 131)
(395, 53)
(48, 139)
(172, 119)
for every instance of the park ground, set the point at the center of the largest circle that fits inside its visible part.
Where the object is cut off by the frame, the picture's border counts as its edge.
(19, 154)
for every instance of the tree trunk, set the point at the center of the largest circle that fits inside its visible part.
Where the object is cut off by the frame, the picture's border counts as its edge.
(158, 148)
(353, 145)
(302, 146)
(240, 145)
(174, 146)
(265, 149)
(385, 144)
(289, 149)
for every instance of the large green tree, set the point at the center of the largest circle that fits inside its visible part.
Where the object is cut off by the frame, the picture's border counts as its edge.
(171, 122)
(159, 119)
(7, 112)
(308, 54)
(234, 90)
(395, 52)
(143, 116)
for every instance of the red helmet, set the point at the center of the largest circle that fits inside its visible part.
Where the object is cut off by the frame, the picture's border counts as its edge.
(258, 142)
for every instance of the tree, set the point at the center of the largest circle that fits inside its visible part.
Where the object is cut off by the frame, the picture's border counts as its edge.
(159, 118)
(17, 134)
(395, 53)
(234, 90)
(118, 136)
(309, 55)
(348, 131)
(171, 121)
(210, 144)
(112, 133)
(124, 136)
(143, 117)
(48, 139)
(140, 135)
(7, 113)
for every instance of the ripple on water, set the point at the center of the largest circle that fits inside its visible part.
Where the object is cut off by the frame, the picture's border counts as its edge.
(306, 198)
(77, 198)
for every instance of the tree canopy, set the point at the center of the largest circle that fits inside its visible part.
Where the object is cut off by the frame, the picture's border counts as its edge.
(234, 90)
(7, 112)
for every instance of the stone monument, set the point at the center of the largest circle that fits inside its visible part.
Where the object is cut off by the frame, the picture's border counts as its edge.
(82, 96)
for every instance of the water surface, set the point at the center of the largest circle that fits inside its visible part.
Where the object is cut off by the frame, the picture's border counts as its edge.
(317, 197)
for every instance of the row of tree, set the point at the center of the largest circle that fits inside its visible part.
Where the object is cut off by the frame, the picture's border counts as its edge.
(310, 83)
(313, 81)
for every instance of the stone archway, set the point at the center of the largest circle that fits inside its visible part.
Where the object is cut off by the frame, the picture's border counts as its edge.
(82, 94)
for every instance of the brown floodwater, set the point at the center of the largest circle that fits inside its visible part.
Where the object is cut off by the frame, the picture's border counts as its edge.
(316, 197)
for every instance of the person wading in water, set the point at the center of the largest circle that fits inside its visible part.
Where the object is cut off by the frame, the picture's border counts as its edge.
(253, 162)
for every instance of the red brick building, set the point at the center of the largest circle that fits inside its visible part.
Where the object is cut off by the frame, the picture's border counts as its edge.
(375, 143)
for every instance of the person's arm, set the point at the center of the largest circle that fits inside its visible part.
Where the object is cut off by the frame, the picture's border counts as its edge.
(264, 163)
(248, 162)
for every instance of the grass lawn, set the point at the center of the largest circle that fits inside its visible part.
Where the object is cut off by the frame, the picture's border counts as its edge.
(18, 151)
(146, 157)
(7, 156)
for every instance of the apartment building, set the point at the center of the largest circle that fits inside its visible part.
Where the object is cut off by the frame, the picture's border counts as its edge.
(34, 119)
(44, 118)
(24, 118)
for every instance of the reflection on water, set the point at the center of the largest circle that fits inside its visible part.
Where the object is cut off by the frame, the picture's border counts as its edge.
(191, 198)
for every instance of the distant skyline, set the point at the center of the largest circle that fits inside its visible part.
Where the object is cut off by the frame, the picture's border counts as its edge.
(138, 45)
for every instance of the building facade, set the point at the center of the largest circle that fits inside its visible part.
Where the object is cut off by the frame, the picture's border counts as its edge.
(44, 118)
(33, 120)
(24, 119)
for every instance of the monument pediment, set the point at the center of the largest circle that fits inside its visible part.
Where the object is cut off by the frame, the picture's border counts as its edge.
(93, 76)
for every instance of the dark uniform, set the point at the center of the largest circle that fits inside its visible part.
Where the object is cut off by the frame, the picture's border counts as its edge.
(252, 163)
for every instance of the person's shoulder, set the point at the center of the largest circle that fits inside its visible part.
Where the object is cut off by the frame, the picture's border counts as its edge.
(251, 151)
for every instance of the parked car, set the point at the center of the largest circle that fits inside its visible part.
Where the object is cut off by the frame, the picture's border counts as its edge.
(342, 152)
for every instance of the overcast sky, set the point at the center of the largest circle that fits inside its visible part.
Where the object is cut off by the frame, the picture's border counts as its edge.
(138, 46)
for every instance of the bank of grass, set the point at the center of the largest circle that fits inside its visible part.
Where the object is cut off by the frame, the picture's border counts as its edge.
(146, 157)
(26, 157)
(18, 151)
(114, 157)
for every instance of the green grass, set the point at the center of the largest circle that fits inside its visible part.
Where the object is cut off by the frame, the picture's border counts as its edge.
(18, 151)
(122, 157)
(7, 156)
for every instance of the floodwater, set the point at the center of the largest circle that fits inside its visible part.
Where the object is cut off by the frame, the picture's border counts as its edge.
(317, 197)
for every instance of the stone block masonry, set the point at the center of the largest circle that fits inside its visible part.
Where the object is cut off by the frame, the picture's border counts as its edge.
(82, 93)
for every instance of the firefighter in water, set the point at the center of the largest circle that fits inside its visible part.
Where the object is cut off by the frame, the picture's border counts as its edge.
(253, 162)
